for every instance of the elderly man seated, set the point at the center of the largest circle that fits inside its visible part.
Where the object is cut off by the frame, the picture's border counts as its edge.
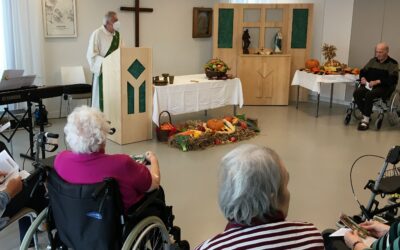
(87, 163)
(254, 198)
(378, 80)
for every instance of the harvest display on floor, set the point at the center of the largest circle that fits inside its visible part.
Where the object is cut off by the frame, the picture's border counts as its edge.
(196, 134)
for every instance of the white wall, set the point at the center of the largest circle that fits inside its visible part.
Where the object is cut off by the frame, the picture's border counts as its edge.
(338, 16)
(168, 30)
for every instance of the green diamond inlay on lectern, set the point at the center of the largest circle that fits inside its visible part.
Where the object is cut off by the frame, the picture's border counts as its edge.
(136, 69)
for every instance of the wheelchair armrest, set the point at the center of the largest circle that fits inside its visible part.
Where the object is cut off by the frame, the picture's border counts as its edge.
(151, 200)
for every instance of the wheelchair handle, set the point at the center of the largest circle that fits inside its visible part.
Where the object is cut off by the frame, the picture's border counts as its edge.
(393, 156)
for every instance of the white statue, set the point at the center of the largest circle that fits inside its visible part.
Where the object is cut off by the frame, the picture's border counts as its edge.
(278, 42)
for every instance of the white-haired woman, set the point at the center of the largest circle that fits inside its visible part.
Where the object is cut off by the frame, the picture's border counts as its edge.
(87, 163)
(254, 198)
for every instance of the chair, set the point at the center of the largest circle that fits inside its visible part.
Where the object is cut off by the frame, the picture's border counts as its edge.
(76, 87)
(91, 217)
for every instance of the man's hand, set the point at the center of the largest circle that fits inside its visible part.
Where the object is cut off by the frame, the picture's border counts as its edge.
(363, 81)
(374, 83)
(14, 186)
(376, 229)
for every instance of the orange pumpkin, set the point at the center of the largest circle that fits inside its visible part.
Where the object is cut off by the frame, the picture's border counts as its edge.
(355, 71)
(228, 118)
(315, 69)
(215, 124)
(312, 63)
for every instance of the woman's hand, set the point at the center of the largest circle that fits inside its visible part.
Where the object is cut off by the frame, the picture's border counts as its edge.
(150, 156)
(14, 186)
(375, 228)
(353, 241)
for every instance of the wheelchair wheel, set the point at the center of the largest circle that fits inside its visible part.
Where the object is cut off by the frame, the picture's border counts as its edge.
(394, 114)
(150, 233)
(348, 116)
(33, 233)
(378, 122)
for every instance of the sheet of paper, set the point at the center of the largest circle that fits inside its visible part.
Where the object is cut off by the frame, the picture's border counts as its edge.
(7, 164)
(340, 232)
(11, 168)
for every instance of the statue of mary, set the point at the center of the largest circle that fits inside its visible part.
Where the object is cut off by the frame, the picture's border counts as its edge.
(278, 42)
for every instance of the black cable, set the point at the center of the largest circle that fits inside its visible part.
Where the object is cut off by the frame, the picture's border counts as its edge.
(351, 171)
(23, 162)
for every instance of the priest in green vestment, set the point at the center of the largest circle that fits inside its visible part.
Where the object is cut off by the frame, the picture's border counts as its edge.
(103, 42)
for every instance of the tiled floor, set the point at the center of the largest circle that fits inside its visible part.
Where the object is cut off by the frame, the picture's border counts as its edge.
(318, 153)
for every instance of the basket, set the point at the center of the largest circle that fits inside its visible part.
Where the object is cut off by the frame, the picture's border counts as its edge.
(210, 74)
(164, 134)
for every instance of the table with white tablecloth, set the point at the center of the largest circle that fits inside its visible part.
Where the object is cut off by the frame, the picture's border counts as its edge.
(313, 82)
(192, 93)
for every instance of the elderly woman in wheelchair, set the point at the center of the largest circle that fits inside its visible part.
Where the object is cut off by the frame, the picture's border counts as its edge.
(98, 200)
(378, 80)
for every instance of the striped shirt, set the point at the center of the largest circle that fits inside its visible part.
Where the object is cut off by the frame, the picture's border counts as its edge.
(278, 235)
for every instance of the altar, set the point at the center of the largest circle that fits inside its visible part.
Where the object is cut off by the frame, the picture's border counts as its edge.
(193, 93)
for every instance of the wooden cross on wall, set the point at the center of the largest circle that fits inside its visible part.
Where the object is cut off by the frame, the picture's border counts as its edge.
(137, 11)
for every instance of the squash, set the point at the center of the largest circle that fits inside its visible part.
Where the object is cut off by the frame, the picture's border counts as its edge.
(312, 63)
(228, 128)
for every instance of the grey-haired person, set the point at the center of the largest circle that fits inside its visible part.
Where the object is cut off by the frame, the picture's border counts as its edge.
(254, 198)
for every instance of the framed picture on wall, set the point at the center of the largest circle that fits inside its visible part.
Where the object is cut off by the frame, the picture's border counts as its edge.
(202, 22)
(59, 18)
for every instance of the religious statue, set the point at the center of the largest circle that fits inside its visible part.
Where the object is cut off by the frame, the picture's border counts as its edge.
(278, 42)
(246, 41)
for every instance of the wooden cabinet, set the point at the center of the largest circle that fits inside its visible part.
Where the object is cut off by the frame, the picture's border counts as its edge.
(265, 79)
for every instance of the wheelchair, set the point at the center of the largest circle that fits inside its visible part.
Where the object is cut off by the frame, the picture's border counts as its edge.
(389, 106)
(91, 217)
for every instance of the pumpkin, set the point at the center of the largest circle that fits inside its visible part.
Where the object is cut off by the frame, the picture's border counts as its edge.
(355, 71)
(215, 124)
(315, 69)
(228, 118)
(312, 63)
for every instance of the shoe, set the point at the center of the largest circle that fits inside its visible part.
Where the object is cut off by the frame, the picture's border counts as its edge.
(363, 126)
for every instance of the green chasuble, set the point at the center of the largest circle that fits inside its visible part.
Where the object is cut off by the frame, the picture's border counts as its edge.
(114, 46)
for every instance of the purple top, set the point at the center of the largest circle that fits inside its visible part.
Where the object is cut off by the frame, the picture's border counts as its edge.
(134, 179)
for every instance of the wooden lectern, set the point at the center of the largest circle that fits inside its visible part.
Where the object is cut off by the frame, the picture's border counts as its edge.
(127, 94)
